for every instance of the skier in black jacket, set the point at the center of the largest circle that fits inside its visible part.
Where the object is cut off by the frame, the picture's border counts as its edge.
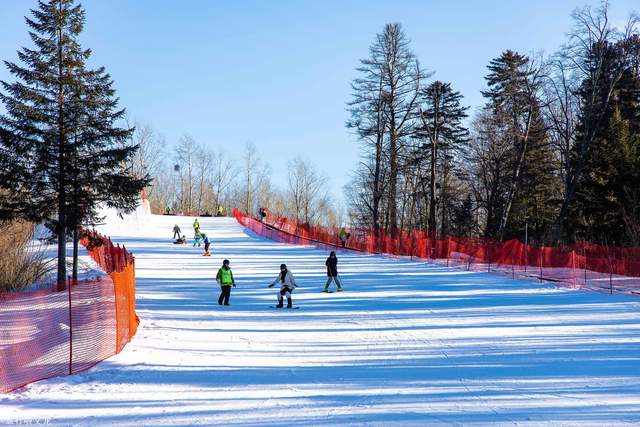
(332, 272)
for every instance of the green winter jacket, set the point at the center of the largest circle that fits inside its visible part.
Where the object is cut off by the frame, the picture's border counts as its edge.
(225, 277)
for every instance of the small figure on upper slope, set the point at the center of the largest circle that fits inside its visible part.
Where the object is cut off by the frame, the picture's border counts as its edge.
(196, 238)
(287, 285)
(205, 240)
(332, 272)
(225, 280)
(196, 225)
(176, 231)
(343, 236)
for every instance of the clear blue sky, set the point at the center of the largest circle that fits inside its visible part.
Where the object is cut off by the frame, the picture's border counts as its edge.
(278, 72)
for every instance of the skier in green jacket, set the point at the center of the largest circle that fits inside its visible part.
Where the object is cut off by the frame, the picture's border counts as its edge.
(225, 280)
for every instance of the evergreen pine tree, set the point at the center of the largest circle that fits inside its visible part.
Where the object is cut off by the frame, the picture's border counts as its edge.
(512, 99)
(441, 127)
(58, 139)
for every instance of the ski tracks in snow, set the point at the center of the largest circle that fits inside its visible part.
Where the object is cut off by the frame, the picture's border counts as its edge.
(407, 344)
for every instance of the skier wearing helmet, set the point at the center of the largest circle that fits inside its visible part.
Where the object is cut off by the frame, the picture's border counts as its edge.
(225, 280)
(287, 285)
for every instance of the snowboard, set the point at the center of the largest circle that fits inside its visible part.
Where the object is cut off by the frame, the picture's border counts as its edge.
(285, 308)
(207, 254)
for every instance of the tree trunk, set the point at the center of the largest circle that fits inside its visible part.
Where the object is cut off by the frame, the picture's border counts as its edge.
(62, 218)
(443, 195)
(393, 178)
(377, 193)
(513, 185)
(76, 238)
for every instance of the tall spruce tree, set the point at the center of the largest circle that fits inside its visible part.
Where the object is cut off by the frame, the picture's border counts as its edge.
(512, 97)
(441, 127)
(58, 139)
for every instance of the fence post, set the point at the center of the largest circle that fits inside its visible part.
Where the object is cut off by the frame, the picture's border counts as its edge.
(610, 271)
(448, 250)
(573, 268)
(541, 249)
(70, 327)
(584, 267)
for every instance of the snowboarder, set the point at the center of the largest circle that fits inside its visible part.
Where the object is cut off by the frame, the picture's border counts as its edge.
(205, 240)
(287, 285)
(196, 225)
(225, 280)
(176, 231)
(332, 272)
(196, 238)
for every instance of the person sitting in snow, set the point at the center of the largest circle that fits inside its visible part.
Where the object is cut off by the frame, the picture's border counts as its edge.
(225, 280)
(176, 231)
(181, 240)
(287, 285)
(332, 272)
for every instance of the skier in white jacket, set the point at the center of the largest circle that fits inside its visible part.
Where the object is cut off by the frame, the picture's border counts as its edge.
(287, 285)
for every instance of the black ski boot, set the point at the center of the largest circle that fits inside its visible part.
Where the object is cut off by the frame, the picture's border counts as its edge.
(279, 304)
(289, 303)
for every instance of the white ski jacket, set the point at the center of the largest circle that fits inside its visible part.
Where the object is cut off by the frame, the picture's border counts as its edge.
(289, 281)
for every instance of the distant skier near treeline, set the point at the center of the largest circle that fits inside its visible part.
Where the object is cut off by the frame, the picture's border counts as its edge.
(287, 285)
(226, 281)
(332, 272)
(344, 236)
(196, 225)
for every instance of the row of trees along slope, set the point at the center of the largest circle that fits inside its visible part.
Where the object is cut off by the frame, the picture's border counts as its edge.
(62, 150)
(554, 152)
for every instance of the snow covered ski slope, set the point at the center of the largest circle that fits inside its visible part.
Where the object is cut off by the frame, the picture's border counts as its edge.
(405, 344)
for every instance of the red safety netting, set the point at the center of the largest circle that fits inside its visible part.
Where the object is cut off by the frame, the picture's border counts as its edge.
(583, 264)
(50, 333)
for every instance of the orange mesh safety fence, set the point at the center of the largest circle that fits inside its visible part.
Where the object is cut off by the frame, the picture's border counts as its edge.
(49, 333)
(583, 264)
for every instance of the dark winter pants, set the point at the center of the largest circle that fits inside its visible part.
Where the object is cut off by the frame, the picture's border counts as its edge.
(285, 292)
(175, 232)
(206, 247)
(224, 295)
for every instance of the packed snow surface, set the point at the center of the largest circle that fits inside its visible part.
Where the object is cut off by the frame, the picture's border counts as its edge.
(406, 344)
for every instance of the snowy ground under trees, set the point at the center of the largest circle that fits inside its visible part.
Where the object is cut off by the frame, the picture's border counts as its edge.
(406, 344)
